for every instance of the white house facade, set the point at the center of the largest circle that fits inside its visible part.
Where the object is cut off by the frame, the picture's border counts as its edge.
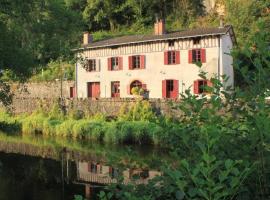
(163, 64)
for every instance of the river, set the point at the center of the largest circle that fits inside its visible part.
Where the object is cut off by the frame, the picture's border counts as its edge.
(38, 168)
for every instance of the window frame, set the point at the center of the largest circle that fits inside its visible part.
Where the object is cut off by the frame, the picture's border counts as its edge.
(196, 55)
(171, 57)
(136, 62)
(115, 63)
(115, 90)
(91, 65)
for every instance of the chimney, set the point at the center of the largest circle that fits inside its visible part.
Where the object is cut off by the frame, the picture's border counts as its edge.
(87, 38)
(159, 27)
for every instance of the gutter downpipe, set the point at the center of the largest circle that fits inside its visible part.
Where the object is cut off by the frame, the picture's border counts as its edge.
(219, 51)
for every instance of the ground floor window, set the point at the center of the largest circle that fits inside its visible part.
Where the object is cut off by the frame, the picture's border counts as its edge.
(170, 89)
(115, 85)
(200, 86)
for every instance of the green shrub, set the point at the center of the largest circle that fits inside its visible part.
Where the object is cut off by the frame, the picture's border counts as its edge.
(33, 124)
(49, 127)
(141, 110)
(56, 112)
(92, 130)
(65, 129)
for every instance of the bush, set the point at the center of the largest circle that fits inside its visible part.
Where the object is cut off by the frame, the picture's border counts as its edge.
(65, 129)
(33, 124)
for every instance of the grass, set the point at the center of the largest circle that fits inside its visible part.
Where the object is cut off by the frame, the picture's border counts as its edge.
(137, 125)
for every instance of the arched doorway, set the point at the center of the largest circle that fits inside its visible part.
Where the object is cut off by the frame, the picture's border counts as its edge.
(136, 83)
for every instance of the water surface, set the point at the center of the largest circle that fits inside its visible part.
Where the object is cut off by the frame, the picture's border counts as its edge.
(38, 168)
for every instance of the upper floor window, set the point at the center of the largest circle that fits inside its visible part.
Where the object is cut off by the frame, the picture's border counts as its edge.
(197, 55)
(91, 65)
(171, 57)
(115, 63)
(136, 62)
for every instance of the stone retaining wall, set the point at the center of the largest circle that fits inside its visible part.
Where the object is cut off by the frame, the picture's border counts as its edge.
(109, 107)
(42, 89)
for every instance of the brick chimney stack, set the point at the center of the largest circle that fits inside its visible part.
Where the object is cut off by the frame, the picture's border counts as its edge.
(159, 27)
(87, 38)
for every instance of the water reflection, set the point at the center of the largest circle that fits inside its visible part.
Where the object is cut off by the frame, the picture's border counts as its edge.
(47, 168)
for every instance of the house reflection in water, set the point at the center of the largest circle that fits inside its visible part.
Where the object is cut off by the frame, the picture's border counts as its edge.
(92, 174)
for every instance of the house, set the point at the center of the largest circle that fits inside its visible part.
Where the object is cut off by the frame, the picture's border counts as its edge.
(163, 63)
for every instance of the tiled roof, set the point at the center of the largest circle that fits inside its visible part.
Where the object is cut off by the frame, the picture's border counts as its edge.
(131, 39)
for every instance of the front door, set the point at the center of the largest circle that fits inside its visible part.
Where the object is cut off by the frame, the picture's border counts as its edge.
(93, 89)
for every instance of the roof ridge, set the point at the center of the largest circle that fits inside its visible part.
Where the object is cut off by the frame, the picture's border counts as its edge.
(139, 38)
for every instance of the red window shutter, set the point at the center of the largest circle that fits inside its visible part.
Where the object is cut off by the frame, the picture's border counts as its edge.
(130, 63)
(196, 87)
(142, 62)
(128, 89)
(203, 53)
(109, 64)
(166, 58)
(120, 63)
(176, 89)
(164, 89)
(190, 56)
(177, 56)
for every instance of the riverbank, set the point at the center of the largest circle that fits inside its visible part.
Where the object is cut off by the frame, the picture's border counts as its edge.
(134, 124)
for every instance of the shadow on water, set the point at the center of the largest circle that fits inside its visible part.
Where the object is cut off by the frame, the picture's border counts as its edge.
(38, 168)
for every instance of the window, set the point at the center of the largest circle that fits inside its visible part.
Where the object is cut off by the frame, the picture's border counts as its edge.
(92, 168)
(90, 65)
(171, 43)
(115, 63)
(171, 57)
(170, 85)
(170, 89)
(197, 55)
(196, 41)
(115, 85)
(136, 64)
(199, 86)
